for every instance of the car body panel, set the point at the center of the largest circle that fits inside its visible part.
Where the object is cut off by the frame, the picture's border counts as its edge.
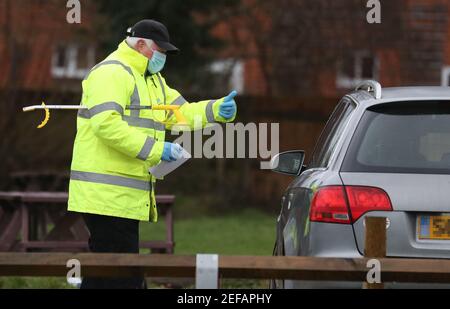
(296, 235)
(402, 189)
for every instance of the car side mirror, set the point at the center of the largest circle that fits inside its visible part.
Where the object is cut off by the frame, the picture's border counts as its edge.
(288, 162)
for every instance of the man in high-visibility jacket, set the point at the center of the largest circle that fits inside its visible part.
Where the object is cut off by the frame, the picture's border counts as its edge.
(118, 139)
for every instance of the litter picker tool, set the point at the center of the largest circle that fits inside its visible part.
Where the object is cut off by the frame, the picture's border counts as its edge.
(180, 119)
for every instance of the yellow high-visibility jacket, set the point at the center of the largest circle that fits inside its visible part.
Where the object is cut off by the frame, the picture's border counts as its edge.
(115, 146)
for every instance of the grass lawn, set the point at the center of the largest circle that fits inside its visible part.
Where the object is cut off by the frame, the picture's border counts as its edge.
(248, 232)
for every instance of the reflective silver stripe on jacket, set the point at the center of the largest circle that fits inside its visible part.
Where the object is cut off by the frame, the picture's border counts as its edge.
(146, 149)
(102, 107)
(210, 112)
(110, 180)
(132, 121)
(144, 123)
(162, 88)
(84, 113)
(178, 101)
(135, 101)
(127, 68)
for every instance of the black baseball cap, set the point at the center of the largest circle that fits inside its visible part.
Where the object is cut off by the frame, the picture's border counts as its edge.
(153, 30)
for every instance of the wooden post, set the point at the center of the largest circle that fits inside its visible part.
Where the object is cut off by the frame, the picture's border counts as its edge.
(25, 227)
(375, 244)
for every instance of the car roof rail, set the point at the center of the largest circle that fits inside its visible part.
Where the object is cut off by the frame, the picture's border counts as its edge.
(371, 86)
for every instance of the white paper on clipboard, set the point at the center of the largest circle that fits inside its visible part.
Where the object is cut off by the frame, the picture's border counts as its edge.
(165, 167)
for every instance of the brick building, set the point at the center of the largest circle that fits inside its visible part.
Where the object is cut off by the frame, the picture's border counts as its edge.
(40, 50)
(323, 47)
(300, 48)
(309, 53)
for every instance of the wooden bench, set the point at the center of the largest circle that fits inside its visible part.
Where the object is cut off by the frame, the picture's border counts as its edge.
(41, 180)
(25, 217)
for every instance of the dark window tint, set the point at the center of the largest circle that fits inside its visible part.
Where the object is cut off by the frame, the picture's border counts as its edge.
(82, 58)
(406, 137)
(331, 133)
(61, 60)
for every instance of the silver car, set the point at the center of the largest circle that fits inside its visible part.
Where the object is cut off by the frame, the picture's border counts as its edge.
(383, 152)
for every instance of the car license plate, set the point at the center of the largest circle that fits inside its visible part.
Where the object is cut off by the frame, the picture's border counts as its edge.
(433, 227)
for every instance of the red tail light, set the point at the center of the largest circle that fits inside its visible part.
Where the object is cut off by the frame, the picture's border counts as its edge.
(365, 199)
(329, 204)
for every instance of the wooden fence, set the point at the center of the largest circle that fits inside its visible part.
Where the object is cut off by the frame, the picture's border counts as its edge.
(251, 267)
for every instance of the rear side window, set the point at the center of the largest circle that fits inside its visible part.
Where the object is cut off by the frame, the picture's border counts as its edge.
(402, 137)
(331, 133)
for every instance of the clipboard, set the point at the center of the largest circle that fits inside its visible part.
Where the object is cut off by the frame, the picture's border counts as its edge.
(164, 167)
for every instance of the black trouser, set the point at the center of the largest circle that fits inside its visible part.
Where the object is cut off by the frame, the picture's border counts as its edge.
(112, 235)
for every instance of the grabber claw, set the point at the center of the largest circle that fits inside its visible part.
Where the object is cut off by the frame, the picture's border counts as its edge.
(47, 117)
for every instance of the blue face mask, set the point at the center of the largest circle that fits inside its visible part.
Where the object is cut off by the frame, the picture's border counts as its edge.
(156, 63)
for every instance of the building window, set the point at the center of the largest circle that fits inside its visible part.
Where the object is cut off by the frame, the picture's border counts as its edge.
(356, 68)
(72, 61)
(82, 58)
(445, 76)
(232, 70)
(60, 55)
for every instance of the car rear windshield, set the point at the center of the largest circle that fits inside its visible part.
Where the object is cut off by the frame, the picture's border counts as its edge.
(402, 137)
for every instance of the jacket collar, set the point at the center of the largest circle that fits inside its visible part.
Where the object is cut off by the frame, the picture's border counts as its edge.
(133, 58)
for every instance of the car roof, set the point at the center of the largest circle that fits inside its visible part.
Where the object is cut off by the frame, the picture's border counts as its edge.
(424, 92)
(393, 94)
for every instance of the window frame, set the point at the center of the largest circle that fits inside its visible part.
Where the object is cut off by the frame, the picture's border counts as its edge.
(71, 69)
(344, 81)
(350, 163)
(338, 119)
(445, 76)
